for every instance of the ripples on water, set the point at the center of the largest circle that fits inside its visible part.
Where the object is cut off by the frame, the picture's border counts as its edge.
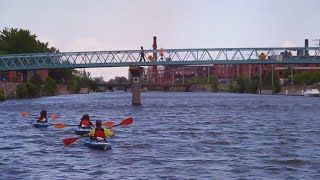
(174, 136)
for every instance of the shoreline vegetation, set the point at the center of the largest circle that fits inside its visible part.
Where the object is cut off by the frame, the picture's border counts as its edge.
(29, 90)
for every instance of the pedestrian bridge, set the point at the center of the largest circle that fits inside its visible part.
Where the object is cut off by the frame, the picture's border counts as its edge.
(123, 58)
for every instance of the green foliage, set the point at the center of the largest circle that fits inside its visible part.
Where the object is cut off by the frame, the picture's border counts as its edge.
(50, 87)
(61, 75)
(244, 85)
(306, 78)
(75, 85)
(22, 91)
(252, 86)
(17, 41)
(232, 88)
(32, 89)
(276, 87)
(287, 73)
(241, 85)
(36, 80)
(119, 80)
(214, 84)
(2, 96)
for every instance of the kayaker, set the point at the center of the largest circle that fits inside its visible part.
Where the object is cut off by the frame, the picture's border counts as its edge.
(99, 133)
(85, 122)
(43, 117)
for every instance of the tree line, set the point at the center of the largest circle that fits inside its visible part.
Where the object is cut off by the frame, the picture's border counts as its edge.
(18, 41)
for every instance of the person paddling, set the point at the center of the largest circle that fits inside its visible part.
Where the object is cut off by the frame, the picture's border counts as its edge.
(43, 117)
(99, 133)
(85, 122)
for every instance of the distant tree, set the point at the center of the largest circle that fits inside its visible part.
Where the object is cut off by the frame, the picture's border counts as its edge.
(214, 84)
(61, 75)
(2, 96)
(17, 41)
(241, 85)
(119, 80)
(50, 87)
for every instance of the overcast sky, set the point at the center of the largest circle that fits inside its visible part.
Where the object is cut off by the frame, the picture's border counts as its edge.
(88, 25)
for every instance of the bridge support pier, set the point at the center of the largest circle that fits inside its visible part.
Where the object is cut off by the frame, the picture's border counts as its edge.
(136, 73)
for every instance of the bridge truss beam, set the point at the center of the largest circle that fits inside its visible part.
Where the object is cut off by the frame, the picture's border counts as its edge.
(91, 59)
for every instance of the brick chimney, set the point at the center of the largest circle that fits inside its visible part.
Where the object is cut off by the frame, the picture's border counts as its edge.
(306, 44)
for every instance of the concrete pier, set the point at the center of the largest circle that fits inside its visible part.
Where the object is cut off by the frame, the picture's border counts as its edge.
(136, 73)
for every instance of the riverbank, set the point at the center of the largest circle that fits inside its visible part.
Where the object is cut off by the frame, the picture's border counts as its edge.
(9, 89)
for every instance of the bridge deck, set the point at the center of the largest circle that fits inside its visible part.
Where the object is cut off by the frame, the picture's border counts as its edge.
(90, 59)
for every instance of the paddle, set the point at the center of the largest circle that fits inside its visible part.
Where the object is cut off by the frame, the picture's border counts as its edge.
(69, 141)
(125, 122)
(60, 125)
(26, 114)
(108, 124)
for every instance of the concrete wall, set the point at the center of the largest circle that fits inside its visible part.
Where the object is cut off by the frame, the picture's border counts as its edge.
(9, 89)
(62, 89)
(84, 91)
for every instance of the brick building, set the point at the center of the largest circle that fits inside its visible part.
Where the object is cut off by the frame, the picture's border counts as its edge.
(22, 76)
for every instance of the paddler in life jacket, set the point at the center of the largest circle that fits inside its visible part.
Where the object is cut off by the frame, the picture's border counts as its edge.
(85, 122)
(100, 133)
(43, 117)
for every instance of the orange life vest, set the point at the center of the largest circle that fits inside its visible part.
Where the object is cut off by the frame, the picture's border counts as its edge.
(43, 118)
(99, 133)
(85, 122)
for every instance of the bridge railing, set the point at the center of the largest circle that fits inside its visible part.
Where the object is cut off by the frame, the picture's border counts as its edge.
(90, 59)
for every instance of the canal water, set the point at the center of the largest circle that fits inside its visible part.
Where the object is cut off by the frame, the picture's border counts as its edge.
(174, 136)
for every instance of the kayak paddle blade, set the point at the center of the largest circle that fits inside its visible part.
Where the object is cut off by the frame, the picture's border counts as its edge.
(126, 122)
(59, 125)
(108, 124)
(54, 117)
(24, 114)
(69, 141)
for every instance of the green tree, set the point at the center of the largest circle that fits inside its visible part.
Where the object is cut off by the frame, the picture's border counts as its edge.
(22, 91)
(214, 84)
(2, 96)
(50, 87)
(17, 41)
(241, 85)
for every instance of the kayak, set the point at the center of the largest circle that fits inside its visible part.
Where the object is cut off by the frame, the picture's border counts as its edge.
(100, 145)
(41, 125)
(82, 131)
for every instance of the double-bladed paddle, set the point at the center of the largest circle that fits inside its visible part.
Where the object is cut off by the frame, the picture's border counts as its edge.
(125, 122)
(26, 114)
(60, 125)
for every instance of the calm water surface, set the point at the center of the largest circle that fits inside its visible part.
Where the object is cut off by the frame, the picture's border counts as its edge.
(174, 136)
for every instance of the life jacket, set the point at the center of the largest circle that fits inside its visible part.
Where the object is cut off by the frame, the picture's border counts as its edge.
(43, 119)
(85, 123)
(99, 133)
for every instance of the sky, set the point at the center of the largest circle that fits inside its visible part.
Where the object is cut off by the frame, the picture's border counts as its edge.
(92, 25)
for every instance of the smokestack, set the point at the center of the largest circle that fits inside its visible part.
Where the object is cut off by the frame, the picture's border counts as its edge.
(154, 68)
(306, 44)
